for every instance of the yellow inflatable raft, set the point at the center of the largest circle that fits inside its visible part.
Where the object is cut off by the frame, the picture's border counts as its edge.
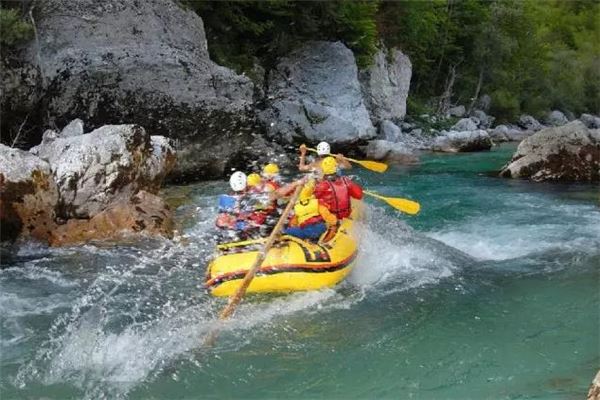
(291, 265)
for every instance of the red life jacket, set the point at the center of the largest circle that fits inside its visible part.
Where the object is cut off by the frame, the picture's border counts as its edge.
(336, 196)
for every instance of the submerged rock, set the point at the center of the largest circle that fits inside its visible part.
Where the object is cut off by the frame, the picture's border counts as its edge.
(390, 152)
(567, 153)
(385, 85)
(28, 195)
(466, 141)
(143, 213)
(314, 94)
(142, 62)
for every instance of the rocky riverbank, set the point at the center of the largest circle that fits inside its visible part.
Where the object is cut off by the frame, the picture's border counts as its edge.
(76, 187)
(148, 64)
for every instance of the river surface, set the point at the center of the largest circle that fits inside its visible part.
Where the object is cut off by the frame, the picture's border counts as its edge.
(492, 292)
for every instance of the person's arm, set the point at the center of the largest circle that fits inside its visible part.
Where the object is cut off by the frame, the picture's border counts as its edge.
(302, 166)
(342, 162)
(355, 190)
(286, 190)
(329, 218)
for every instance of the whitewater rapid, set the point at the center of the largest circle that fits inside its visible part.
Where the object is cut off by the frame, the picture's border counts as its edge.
(106, 320)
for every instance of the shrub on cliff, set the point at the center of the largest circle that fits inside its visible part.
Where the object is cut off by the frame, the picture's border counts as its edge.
(13, 29)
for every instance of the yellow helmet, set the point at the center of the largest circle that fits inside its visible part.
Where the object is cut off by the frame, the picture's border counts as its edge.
(253, 180)
(329, 166)
(308, 190)
(270, 169)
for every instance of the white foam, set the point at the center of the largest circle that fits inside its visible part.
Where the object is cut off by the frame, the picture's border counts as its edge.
(507, 236)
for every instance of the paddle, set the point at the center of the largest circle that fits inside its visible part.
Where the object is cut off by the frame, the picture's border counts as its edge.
(236, 297)
(368, 164)
(404, 205)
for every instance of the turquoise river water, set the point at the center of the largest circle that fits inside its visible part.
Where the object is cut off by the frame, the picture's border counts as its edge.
(492, 292)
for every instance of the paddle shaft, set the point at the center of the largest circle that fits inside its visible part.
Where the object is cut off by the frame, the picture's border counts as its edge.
(368, 164)
(236, 297)
(377, 196)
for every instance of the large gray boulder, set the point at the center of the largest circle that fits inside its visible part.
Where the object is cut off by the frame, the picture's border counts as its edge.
(390, 131)
(457, 111)
(591, 121)
(485, 121)
(142, 62)
(508, 133)
(466, 141)
(465, 124)
(556, 118)
(390, 152)
(28, 195)
(567, 153)
(529, 123)
(314, 94)
(111, 163)
(385, 85)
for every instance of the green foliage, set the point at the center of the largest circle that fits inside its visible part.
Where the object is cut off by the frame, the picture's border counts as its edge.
(529, 55)
(357, 28)
(13, 30)
(240, 32)
(505, 105)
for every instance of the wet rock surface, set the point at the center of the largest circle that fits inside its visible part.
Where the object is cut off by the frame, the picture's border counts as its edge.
(83, 187)
(144, 213)
(567, 153)
(28, 195)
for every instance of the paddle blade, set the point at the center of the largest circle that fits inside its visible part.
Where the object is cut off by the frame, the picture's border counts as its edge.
(372, 165)
(404, 205)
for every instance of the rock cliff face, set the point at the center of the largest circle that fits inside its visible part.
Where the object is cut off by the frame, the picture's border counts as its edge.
(567, 153)
(314, 94)
(385, 85)
(143, 62)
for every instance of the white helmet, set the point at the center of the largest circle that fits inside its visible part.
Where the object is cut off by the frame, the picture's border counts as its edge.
(323, 149)
(238, 181)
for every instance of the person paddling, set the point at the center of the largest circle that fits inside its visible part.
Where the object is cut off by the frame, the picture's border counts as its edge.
(336, 191)
(238, 214)
(311, 218)
(323, 150)
(271, 177)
